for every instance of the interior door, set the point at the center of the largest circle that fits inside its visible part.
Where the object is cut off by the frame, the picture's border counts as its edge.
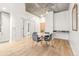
(5, 26)
(29, 27)
(26, 28)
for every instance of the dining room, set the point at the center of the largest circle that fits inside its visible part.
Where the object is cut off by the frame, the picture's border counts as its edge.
(39, 29)
(53, 27)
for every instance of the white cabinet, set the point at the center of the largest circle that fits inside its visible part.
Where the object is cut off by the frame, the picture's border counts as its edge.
(61, 35)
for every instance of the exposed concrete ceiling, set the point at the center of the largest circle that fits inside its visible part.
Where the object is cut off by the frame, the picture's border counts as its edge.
(41, 8)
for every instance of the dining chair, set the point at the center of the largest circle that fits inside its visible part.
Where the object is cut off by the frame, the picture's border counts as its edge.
(35, 38)
(48, 38)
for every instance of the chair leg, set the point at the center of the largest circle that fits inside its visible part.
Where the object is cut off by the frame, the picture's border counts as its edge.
(41, 42)
(34, 44)
(47, 43)
(52, 45)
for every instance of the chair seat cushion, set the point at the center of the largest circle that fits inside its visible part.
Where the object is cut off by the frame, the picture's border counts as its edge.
(39, 40)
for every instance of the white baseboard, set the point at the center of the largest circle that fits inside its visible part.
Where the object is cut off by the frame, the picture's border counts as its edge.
(72, 48)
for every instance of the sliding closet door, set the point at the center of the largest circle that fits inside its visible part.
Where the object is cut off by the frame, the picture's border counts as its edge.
(5, 26)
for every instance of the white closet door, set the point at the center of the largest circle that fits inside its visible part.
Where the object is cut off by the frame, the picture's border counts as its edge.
(5, 27)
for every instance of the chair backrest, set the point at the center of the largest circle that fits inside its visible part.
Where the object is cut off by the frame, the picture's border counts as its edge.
(47, 33)
(35, 36)
(34, 32)
(50, 36)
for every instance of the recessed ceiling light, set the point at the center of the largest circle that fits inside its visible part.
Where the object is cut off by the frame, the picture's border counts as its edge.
(46, 12)
(4, 8)
(41, 15)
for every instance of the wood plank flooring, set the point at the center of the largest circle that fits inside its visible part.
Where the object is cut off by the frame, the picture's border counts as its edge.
(24, 48)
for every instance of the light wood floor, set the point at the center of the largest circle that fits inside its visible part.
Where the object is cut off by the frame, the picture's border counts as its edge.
(24, 48)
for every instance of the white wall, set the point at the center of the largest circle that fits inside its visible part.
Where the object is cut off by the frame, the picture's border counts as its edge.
(61, 21)
(34, 22)
(17, 16)
(5, 23)
(74, 35)
(17, 11)
(49, 22)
